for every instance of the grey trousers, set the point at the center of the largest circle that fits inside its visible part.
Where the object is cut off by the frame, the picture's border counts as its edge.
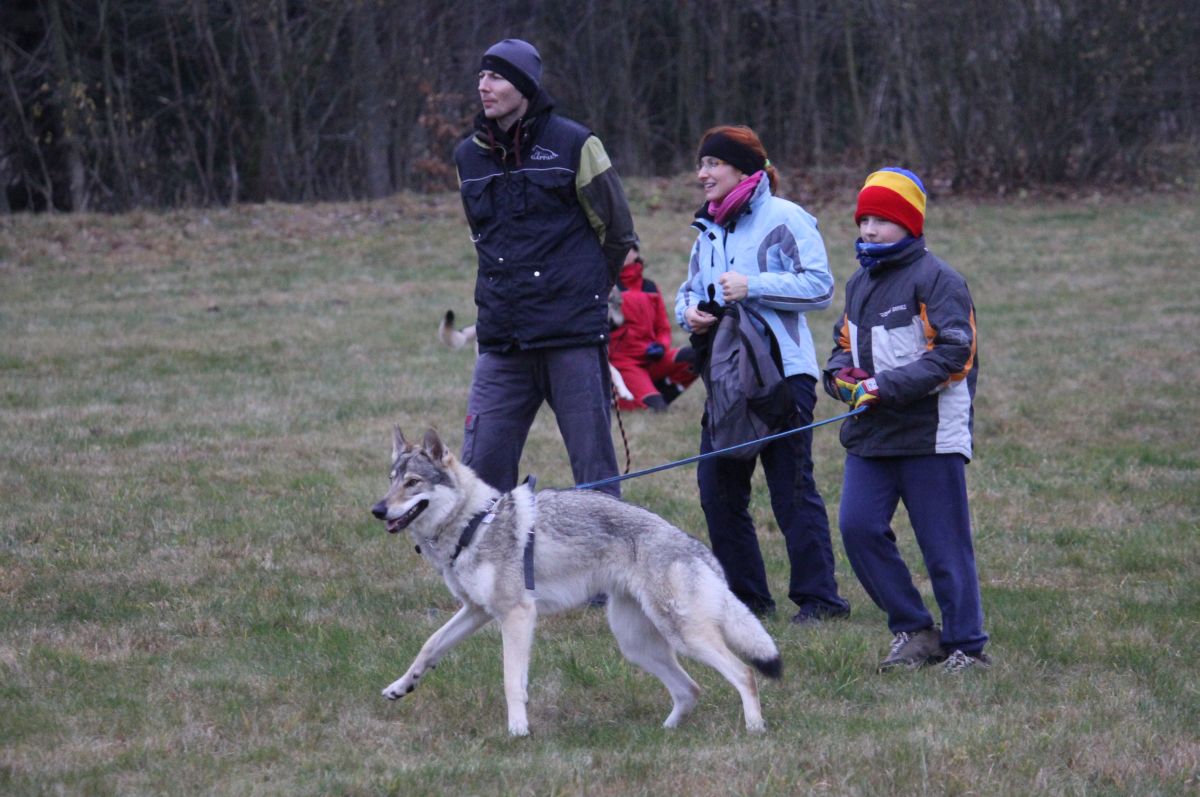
(508, 389)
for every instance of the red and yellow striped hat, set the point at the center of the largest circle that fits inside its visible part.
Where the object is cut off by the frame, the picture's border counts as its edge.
(894, 194)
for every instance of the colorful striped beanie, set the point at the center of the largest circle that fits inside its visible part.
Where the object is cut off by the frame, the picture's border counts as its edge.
(894, 194)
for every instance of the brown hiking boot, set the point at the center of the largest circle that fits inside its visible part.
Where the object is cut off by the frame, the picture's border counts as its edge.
(911, 651)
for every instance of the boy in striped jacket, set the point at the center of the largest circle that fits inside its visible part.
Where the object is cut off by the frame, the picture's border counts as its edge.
(905, 346)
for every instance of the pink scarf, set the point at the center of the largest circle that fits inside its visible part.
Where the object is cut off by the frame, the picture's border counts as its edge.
(729, 207)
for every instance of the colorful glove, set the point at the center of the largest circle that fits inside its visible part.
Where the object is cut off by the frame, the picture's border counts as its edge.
(844, 382)
(866, 394)
(655, 351)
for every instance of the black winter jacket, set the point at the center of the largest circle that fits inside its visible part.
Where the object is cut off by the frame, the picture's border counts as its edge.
(551, 227)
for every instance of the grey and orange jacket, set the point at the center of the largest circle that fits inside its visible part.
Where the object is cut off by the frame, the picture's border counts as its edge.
(909, 322)
(551, 227)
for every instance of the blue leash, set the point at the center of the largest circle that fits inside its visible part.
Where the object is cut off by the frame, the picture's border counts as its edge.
(698, 457)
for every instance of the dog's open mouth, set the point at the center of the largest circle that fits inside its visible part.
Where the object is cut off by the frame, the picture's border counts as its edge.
(396, 524)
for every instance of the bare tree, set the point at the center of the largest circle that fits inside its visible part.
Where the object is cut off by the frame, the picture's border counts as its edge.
(166, 102)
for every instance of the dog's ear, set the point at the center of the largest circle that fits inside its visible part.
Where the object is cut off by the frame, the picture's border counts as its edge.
(399, 444)
(433, 446)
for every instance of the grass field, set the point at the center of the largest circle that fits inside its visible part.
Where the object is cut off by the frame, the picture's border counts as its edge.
(195, 413)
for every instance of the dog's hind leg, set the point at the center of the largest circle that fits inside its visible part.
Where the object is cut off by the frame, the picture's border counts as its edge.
(465, 622)
(708, 646)
(516, 630)
(641, 643)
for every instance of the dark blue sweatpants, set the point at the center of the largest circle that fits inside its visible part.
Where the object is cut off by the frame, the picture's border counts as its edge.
(934, 491)
(508, 389)
(798, 507)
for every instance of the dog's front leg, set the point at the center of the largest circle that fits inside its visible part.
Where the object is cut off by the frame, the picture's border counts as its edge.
(467, 621)
(516, 629)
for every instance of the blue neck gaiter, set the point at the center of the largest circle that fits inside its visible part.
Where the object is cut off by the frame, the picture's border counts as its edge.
(871, 255)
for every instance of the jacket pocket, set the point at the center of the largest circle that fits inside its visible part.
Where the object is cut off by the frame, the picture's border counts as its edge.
(478, 200)
(549, 191)
(564, 299)
(898, 346)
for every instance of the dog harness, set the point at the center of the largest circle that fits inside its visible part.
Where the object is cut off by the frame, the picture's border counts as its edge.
(487, 516)
(468, 534)
(528, 555)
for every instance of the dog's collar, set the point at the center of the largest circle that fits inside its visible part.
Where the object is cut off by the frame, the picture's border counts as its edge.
(468, 534)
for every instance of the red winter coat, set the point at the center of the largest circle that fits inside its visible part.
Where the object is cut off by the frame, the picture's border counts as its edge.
(645, 323)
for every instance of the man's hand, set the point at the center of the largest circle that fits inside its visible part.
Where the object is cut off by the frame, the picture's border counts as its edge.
(734, 286)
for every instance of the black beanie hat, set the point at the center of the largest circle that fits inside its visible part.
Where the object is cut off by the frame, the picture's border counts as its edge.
(737, 155)
(518, 62)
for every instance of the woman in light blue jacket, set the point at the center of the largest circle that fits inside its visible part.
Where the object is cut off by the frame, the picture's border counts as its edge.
(765, 252)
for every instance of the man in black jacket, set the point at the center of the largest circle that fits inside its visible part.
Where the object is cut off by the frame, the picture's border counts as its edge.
(551, 226)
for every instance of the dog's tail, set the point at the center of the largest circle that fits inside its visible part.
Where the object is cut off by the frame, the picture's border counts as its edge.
(454, 338)
(747, 637)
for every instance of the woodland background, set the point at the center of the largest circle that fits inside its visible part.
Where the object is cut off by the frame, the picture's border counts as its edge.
(117, 104)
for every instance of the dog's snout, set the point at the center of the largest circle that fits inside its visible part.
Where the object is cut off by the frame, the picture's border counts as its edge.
(380, 510)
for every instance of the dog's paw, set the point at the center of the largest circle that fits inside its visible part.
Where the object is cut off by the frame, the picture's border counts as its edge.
(756, 727)
(520, 728)
(399, 689)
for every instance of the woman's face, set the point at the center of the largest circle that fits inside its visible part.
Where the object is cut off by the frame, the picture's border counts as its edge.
(717, 178)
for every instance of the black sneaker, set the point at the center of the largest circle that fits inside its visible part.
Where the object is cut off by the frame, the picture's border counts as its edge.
(816, 613)
(911, 651)
(959, 661)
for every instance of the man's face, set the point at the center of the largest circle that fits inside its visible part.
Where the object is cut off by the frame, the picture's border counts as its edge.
(501, 100)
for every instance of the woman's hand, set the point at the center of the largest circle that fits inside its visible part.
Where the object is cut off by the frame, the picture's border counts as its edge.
(734, 286)
(698, 320)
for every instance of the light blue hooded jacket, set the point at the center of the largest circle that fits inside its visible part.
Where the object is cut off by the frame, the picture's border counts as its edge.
(776, 244)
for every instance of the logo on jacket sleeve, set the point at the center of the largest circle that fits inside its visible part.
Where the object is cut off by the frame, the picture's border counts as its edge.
(540, 153)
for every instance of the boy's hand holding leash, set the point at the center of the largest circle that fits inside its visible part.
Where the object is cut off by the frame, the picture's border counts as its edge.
(856, 387)
(866, 394)
(845, 380)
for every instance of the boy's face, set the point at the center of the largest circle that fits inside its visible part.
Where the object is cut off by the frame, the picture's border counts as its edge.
(875, 230)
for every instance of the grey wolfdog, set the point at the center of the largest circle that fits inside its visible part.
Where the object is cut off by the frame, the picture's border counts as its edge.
(666, 592)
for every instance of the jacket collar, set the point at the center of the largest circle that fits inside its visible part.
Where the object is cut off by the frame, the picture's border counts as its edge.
(489, 136)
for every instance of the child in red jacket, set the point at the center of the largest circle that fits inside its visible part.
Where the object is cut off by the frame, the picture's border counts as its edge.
(655, 373)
